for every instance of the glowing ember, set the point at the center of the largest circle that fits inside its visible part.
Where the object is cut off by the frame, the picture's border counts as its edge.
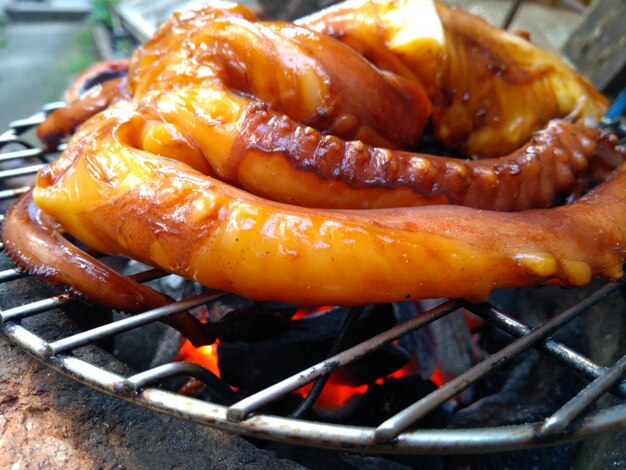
(437, 377)
(334, 395)
(304, 312)
(205, 356)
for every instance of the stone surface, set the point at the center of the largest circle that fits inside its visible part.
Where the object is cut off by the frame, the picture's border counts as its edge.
(50, 421)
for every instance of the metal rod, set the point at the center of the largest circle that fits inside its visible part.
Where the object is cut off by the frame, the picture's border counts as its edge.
(43, 305)
(52, 106)
(126, 324)
(21, 171)
(23, 311)
(355, 438)
(11, 274)
(139, 381)
(148, 275)
(22, 125)
(398, 423)
(13, 192)
(24, 153)
(557, 423)
(240, 410)
(576, 361)
(510, 14)
(7, 137)
(314, 393)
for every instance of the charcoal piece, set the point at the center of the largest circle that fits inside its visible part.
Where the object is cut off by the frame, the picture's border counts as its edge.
(380, 363)
(536, 388)
(453, 347)
(417, 343)
(248, 324)
(225, 305)
(382, 401)
(253, 365)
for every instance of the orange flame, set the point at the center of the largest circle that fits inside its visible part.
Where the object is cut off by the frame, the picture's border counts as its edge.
(334, 395)
(205, 356)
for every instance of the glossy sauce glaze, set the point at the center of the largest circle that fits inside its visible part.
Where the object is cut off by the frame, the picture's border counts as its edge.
(217, 100)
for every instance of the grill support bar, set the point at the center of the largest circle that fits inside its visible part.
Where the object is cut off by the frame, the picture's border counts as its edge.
(139, 381)
(141, 319)
(557, 423)
(558, 351)
(401, 421)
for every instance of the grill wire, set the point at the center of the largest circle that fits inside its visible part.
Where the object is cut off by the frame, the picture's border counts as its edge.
(573, 421)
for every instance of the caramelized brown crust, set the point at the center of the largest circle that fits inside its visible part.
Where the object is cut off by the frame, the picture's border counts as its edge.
(362, 176)
(96, 74)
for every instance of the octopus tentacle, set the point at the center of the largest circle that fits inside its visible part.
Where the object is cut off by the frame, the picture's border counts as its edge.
(96, 74)
(303, 74)
(63, 121)
(275, 157)
(185, 222)
(530, 177)
(34, 240)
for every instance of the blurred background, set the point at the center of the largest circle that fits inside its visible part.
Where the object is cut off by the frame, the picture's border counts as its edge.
(45, 43)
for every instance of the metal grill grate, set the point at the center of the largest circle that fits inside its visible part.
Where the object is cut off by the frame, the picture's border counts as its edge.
(572, 421)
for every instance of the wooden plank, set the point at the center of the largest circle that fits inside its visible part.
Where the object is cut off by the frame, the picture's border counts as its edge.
(598, 46)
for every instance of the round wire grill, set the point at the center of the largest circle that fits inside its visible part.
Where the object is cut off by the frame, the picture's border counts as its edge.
(572, 421)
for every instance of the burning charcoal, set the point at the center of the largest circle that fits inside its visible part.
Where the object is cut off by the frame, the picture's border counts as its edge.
(254, 365)
(536, 388)
(452, 345)
(380, 363)
(249, 324)
(418, 343)
(380, 402)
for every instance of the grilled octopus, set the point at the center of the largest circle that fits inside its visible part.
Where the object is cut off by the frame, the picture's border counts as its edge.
(153, 177)
(279, 110)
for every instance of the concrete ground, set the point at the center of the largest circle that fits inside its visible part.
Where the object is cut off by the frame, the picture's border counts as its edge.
(37, 65)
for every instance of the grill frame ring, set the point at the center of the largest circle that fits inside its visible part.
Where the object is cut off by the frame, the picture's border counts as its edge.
(391, 437)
